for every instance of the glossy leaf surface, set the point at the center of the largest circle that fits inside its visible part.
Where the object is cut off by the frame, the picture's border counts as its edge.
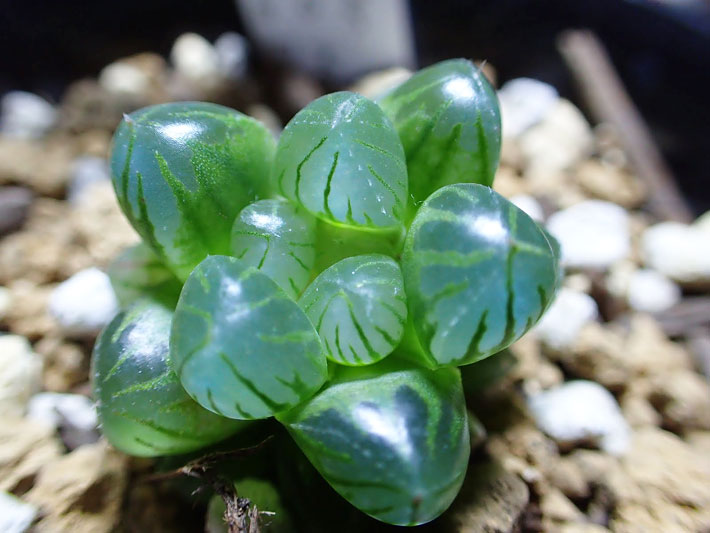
(143, 408)
(137, 273)
(342, 160)
(392, 440)
(278, 238)
(478, 274)
(448, 119)
(241, 346)
(359, 308)
(182, 171)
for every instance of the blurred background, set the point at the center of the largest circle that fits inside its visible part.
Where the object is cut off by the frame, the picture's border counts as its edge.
(597, 420)
(661, 48)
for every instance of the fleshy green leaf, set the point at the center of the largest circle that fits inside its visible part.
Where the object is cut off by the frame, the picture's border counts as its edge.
(182, 171)
(342, 160)
(359, 308)
(137, 273)
(142, 406)
(241, 346)
(478, 273)
(278, 238)
(448, 119)
(392, 440)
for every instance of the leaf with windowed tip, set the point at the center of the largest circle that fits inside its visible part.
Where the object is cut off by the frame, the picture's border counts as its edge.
(391, 439)
(342, 160)
(182, 172)
(478, 273)
(279, 239)
(142, 407)
(241, 347)
(448, 119)
(359, 308)
(137, 273)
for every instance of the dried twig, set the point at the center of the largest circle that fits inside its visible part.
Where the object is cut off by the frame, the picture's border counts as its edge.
(240, 515)
(609, 102)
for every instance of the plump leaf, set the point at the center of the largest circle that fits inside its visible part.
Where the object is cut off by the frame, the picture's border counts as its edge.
(448, 119)
(137, 273)
(342, 160)
(278, 238)
(182, 171)
(478, 273)
(142, 406)
(241, 346)
(359, 308)
(390, 439)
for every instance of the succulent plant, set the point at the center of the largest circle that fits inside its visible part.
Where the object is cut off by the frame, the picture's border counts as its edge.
(334, 281)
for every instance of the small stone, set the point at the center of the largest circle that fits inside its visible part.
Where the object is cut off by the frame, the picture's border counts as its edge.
(82, 491)
(581, 411)
(122, 78)
(678, 251)
(66, 365)
(559, 141)
(568, 477)
(376, 84)
(232, 52)
(556, 507)
(25, 448)
(14, 206)
(524, 102)
(564, 319)
(85, 303)
(5, 300)
(530, 205)
(490, 500)
(86, 171)
(25, 115)
(195, 59)
(15, 515)
(651, 292)
(607, 182)
(73, 414)
(683, 399)
(661, 485)
(592, 234)
(20, 374)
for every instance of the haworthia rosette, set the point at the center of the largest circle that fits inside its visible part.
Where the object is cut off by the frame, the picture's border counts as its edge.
(137, 273)
(359, 308)
(278, 238)
(241, 347)
(143, 408)
(182, 171)
(392, 440)
(448, 119)
(478, 273)
(341, 158)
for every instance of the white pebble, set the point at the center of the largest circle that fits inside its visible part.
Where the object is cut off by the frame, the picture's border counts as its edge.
(232, 55)
(562, 322)
(592, 234)
(652, 292)
(74, 413)
(195, 58)
(580, 411)
(121, 78)
(530, 205)
(86, 171)
(20, 374)
(16, 516)
(678, 251)
(523, 103)
(84, 303)
(25, 115)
